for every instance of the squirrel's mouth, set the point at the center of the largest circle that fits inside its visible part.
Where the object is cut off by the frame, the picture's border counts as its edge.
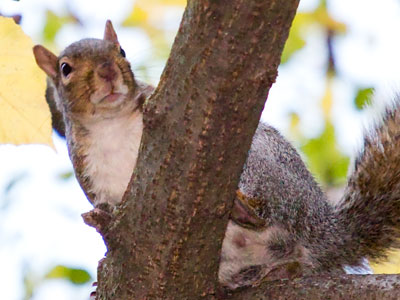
(111, 98)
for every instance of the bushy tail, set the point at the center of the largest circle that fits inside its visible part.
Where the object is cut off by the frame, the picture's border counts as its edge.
(370, 208)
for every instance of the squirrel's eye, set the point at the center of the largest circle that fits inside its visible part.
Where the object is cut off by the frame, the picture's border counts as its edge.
(66, 69)
(122, 52)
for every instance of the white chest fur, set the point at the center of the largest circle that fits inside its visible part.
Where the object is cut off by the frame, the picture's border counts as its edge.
(111, 155)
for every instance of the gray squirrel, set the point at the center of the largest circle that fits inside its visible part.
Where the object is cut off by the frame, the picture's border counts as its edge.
(282, 224)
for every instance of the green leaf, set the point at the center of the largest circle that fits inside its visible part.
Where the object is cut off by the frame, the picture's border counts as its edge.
(66, 175)
(324, 158)
(295, 40)
(363, 97)
(53, 24)
(293, 44)
(73, 275)
(303, 22)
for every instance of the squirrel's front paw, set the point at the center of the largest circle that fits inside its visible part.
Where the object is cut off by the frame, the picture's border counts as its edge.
(98, 218)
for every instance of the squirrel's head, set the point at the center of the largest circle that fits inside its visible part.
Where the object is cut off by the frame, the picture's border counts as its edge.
(91, 76)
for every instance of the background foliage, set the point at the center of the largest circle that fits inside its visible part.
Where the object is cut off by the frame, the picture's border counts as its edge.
(317, 102)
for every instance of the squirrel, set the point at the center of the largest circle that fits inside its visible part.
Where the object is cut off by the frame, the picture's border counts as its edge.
(94, 88)
(282, 224)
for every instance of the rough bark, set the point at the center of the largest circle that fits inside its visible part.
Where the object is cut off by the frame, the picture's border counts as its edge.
(164, 240)
(326, 287)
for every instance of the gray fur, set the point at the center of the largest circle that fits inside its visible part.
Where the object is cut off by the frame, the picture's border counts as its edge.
(302, 228)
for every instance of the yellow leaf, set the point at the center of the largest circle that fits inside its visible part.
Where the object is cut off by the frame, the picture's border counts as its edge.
(322, 16)
(391, 266)
(174, 2)
(294, 127)
(137, 16)
(327, 99)
(24, 114)
(161, 3)
(150, 11)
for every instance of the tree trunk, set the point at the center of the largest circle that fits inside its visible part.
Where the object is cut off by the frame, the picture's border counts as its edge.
(164, 240)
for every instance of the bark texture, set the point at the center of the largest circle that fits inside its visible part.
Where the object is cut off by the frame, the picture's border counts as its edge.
(345, 287)
(165, 240)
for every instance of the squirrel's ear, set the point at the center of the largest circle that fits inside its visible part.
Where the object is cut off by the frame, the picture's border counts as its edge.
(109, 33)
(46, 60)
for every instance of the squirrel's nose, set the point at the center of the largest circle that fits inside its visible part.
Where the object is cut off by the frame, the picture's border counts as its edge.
(107, 71)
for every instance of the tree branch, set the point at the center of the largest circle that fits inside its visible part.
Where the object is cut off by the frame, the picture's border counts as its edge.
(166, 239)
(324, 287)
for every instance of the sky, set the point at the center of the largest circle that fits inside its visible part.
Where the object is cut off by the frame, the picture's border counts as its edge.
(40, 222)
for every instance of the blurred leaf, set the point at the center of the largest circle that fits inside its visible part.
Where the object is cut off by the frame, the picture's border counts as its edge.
(24, 114)
(293, 44)
(74, 275)
(295, 40)
(303, 22)
(148, 16)
(30, 282)
(53, 24)
(150, 11)
(66, 175)
(327, 98)
(294, 126)
(321, 15)
(391, 266)
(324, 159)
(174, 2)
(136, 17)
(13, 181)
(6, 200)
(16, 17)
(363, 98)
